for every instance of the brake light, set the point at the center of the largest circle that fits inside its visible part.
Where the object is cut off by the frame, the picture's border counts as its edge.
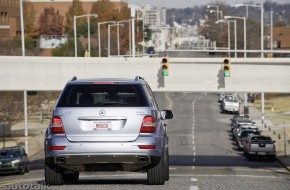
(148, 125)
(103, 83)
(56, 126)
(56, 147)
(149, 147)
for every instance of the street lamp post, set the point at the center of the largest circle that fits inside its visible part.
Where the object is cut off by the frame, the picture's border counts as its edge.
(245, 31)
(99, 34)
(89, 32)
(217, 10)
(118, 38)
(22, 28)
(229, 31)
(262, 22)
(221, 13)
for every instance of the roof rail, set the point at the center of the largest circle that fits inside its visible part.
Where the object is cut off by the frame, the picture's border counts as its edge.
(139, 78)
(74, 78)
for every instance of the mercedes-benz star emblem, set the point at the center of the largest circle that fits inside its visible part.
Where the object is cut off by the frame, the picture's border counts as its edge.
(102, 112)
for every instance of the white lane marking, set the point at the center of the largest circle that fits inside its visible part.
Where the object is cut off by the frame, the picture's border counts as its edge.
(193, 188)
(193, 129)
(194, 179)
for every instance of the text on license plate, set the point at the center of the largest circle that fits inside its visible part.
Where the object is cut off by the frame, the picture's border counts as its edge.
(99, 125)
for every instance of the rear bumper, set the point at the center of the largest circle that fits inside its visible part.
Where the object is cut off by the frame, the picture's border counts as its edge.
(103, 162)
(103, 156)
(231, 109)
(261, 153)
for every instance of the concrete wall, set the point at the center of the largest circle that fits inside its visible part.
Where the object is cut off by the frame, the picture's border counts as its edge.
(185, 74)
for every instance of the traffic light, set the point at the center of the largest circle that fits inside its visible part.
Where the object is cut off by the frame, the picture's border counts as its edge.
(165, 66)
(227, 67)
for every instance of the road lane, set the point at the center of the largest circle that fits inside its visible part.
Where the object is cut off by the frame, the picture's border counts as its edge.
(202, 155)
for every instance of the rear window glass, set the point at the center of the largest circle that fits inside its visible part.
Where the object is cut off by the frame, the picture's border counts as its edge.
(103, 95)
(261, 139)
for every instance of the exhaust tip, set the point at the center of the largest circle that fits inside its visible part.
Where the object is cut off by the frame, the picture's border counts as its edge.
(60, 160)
(143, 159)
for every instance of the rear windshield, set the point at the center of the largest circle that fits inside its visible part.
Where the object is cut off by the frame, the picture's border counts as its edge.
(246, 133)
(103, 95)
(261, 139)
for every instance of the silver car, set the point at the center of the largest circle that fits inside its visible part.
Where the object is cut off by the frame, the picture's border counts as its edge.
(106, 125)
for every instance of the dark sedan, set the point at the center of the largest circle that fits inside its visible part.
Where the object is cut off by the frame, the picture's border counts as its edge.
(13, 160)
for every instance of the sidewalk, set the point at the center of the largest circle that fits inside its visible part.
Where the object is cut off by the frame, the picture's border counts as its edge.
(35, 138)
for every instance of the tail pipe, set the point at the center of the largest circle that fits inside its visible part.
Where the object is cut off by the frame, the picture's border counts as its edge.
(143, 159)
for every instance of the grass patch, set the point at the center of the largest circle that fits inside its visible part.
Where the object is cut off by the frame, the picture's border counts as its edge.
(275, 106)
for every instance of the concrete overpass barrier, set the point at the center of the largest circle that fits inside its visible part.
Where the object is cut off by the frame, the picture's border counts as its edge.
(185, 74)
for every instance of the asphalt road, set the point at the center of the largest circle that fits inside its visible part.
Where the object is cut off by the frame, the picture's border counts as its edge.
(202, 156)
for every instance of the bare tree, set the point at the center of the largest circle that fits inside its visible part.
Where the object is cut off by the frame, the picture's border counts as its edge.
(11, 107)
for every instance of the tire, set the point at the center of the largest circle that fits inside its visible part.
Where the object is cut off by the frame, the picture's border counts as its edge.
(53, 176)
(27, 168)
(22, 171)
(272, 158)
(71, 178)
(166, 169)
(156, 175)
(249, 158)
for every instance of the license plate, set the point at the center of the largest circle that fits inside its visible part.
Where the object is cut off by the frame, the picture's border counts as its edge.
(102, 125)
(262, 153)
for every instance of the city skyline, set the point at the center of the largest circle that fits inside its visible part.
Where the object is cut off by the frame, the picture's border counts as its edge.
(192, 3)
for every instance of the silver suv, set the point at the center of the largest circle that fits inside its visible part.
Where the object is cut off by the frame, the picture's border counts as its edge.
(106, 125)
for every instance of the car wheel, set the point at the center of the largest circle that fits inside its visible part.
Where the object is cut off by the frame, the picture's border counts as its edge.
(71, 178)
(272, 158)
(22, 171)
(249, 158)
(27, 169)
(166, 169)
(53, 176)
(156, 175)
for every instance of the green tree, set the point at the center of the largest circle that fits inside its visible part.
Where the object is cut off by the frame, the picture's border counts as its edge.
(67, 49)
(29, 18)
(76, 9)
(50, 22)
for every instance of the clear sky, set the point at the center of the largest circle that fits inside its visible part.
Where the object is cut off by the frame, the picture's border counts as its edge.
(191, 3)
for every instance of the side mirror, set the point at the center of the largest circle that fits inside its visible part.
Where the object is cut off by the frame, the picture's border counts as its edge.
(167, 114)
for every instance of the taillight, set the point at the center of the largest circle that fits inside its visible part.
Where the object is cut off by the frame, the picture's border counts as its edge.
(149, 147)
(148, 125)
(56, 126)
(56, 147)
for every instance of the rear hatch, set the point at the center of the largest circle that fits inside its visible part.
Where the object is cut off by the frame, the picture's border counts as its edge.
(102, 110)
(262, 144)
(102, 124)
(262, 147)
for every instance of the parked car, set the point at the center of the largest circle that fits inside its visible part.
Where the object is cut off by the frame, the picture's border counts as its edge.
(240, 118)
(241, 127)
(14, 160)
(260, 146)
(243, 137)
(221, 97)
(230, 105)
(150, 50)
(107, 125)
